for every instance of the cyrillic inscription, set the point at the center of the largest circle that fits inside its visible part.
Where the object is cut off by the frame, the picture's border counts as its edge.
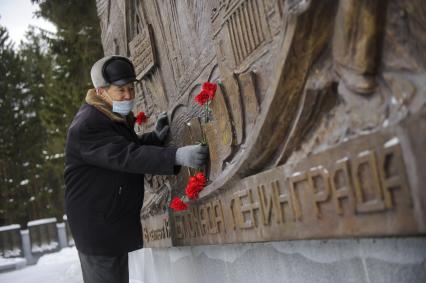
(152, 234)
(199, 221)
(344, 191)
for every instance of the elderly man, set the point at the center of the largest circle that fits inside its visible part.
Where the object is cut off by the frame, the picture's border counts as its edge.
(105, 163)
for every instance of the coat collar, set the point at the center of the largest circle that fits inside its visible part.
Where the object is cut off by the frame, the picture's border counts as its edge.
(93, 99)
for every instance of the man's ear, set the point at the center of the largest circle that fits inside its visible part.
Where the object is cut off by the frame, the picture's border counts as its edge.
(101, 91)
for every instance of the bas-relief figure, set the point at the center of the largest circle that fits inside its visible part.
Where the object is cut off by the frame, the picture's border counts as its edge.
(357, 37)
(316, 125)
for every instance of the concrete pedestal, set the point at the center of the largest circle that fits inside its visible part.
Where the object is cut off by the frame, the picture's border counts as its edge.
(376, 260)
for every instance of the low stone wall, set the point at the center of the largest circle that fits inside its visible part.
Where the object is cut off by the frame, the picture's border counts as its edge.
(27, 246)
(10, 241)
(43, 236)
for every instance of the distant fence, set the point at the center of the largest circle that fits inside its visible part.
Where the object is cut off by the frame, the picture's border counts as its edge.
(70, 239)
(43, 236)
(10, 241)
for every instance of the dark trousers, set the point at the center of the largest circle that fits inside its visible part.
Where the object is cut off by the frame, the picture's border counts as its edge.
(104, 269)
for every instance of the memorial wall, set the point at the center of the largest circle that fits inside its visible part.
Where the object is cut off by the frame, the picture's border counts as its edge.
(318, 126)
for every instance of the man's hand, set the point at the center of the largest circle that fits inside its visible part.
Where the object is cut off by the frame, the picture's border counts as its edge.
(194, 156)
(162, 127)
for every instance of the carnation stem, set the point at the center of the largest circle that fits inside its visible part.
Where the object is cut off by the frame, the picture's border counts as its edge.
(206, 120)
(206, 113)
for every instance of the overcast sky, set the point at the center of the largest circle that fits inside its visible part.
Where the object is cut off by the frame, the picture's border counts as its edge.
(17, 15)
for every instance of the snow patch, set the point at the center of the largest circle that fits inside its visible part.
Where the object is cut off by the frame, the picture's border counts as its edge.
(41, 221)
(12, 253)
(55, 156)
(4, 262)
(391, 142)
(44, 247)
(364, 153)
(10, 227)
(319, 167)
(63, 267)
(344, 159)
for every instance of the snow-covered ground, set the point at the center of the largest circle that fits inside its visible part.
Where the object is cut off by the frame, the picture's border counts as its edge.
(63, 267)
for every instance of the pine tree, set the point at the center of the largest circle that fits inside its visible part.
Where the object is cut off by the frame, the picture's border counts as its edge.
(42, 85)
(37, 69)
(9, 83)
(73, 50)
(22, 133)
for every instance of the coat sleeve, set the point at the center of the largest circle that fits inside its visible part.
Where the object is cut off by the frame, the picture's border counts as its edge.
(150, 139)
(102, 146)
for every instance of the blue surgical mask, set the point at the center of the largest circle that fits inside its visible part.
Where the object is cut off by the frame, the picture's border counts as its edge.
(122, 107)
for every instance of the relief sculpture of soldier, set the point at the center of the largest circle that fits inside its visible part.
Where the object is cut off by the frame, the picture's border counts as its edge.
(104, 167)
(357, 35)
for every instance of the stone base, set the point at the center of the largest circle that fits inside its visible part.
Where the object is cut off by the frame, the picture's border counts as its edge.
(375, 260)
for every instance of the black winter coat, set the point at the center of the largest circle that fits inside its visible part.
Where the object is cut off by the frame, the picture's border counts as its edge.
(104, 167)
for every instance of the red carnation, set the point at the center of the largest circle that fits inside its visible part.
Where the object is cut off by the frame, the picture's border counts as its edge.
(202, 180)
(195, 185)
(202, 97)
(178, 205)
(193, 182)
(141, 118)
(192, 191)
(206, 95)
(210, 87)
(211, 95)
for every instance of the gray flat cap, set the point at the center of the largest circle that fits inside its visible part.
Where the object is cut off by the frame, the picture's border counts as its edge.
(114, 69)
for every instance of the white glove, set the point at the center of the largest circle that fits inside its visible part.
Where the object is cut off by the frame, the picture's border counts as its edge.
(194, 156)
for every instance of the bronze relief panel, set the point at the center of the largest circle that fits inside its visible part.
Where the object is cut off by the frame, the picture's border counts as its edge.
(299, 136)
